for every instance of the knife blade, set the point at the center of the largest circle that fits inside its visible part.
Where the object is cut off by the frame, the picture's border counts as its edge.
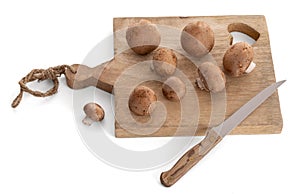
(214, 136)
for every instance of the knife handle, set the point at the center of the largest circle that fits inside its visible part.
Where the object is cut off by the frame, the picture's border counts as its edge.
(190, 158)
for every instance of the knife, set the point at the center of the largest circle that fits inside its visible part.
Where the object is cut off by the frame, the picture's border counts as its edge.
(214, 136)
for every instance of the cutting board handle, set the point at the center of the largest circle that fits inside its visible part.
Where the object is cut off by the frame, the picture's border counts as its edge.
(86, 76)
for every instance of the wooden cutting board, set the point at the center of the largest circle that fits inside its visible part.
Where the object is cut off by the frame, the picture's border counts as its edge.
(119, 76)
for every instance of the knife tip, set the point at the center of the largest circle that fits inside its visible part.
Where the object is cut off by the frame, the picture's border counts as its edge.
(280, 83)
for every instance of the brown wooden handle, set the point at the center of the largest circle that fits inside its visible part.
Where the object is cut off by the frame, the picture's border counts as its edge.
(190, 158)
(86, 76)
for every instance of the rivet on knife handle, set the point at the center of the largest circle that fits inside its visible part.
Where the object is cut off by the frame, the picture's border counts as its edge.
(190, 158)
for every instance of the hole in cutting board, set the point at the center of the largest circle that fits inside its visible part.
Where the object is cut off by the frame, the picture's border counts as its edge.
(241, 32)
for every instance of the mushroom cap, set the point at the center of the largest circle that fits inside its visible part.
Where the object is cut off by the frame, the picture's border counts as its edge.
(94, 111)
(140, 100)
(197, 38)
(211, 78)
(238, 58)
(143, 37)
(173, 89)
(164, 62)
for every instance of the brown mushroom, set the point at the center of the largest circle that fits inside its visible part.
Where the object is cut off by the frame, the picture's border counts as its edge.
(94, 112)
(197, 39)
(143, 37)
(140, 100)
(164, 62)
(238, 59)
(211, 77)
(173, 89)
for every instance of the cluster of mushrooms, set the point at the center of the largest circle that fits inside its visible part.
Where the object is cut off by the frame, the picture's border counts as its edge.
(197, 40)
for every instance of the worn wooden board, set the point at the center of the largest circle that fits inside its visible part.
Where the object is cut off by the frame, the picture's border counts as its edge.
(265, 120)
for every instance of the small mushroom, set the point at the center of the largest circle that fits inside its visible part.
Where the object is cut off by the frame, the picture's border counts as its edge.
(94, 112)
(143, 37)
(211, 77)
(197, 39)
(164, 62)
(140, 100)
(173, 89)
(238, 58)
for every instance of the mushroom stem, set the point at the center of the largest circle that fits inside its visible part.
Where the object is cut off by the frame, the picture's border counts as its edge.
(200, 84)
(250, 67)
(87, 121)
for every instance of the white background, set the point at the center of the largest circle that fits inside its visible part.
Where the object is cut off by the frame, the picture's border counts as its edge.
(40, 149)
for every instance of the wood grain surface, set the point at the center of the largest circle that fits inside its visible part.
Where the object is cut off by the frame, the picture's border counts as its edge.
(195, 113)
(266, 119)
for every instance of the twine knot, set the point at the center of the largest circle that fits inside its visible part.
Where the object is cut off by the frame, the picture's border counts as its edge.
(51, 73)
